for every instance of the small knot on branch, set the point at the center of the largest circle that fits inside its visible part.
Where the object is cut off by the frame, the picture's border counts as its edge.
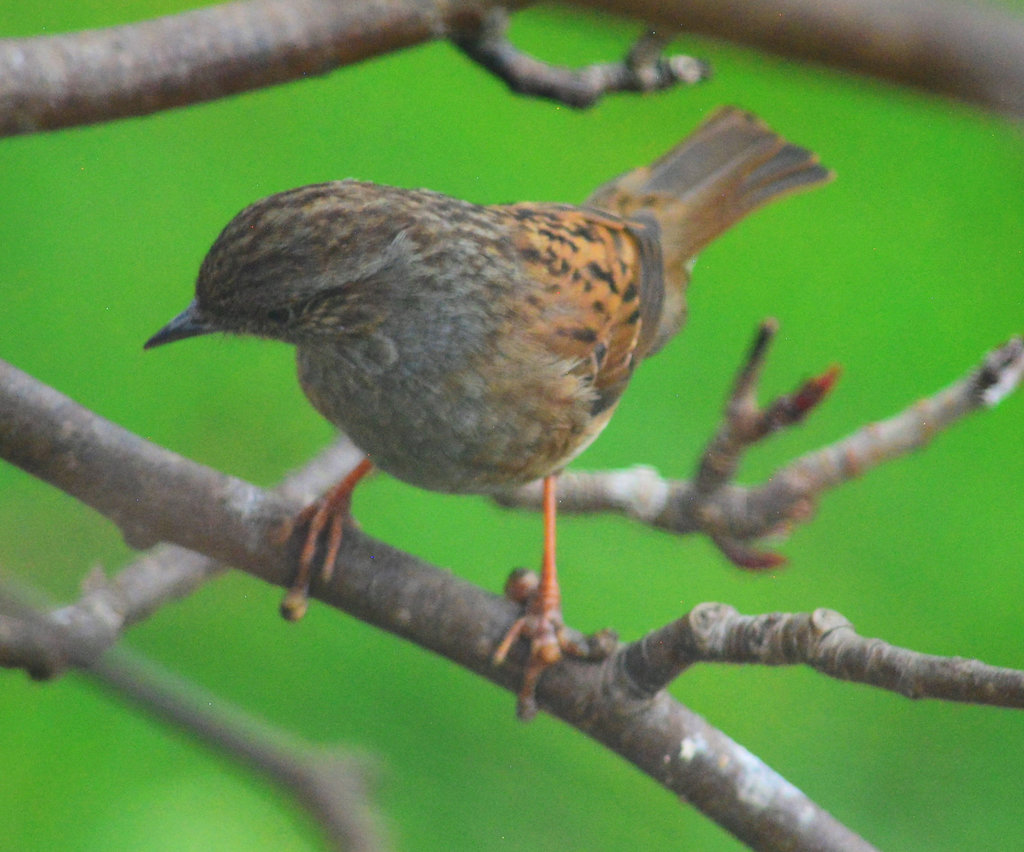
(1001, 373)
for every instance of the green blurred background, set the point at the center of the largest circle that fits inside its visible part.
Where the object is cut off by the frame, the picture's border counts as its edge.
(905, 271)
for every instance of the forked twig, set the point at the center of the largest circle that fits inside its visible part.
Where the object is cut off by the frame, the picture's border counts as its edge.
(644, 69)
(736, 516)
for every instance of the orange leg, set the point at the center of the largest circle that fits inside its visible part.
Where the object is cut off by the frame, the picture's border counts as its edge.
(542, 622)
(330, 511)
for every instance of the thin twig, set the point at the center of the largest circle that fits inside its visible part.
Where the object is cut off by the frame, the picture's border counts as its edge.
(824, 640)
(733, 514)
(745, 424)
(643, 70)
(330, 783)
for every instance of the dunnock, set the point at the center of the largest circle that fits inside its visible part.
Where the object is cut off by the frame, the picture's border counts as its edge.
(468, 348)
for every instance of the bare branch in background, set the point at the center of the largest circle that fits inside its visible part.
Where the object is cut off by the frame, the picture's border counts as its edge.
(48, 82)
(330, 783)
(733, 515)
(961, 50)
(970, 51)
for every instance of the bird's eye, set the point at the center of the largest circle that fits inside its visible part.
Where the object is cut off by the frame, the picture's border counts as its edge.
(279, 316)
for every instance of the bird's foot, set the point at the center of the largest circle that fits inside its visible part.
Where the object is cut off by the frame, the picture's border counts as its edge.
(542, 624)
(322, 521)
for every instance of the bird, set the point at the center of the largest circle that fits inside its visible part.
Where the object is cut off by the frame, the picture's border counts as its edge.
(470, 348)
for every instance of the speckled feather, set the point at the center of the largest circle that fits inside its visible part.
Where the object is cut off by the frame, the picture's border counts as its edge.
(466, 348)
(469, 348)
(602, 293)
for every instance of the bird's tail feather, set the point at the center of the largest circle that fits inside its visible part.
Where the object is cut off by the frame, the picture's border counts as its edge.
(731, 165)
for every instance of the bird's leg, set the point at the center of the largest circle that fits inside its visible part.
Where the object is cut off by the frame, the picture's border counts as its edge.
(541, 622)
(330, 512)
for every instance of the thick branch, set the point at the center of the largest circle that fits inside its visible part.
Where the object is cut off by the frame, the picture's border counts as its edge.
(153, 492)
(965, 51)
(824, 640)
(968, 51)
(78, 634)
(48, 82)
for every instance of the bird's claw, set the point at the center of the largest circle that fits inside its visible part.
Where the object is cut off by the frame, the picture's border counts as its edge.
(550, 640)
(324, 520)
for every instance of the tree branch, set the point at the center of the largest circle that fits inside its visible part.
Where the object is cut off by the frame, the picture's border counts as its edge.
(965, 51)
(330, 783)
(108, 607)
(48, 82)
(733, 515)
(824, 640)
(973, 52)
(152, 492)
(643, 70)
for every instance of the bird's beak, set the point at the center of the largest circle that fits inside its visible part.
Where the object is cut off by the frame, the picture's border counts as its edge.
(189, 323)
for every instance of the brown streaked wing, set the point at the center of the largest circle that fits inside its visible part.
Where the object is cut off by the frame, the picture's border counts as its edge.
(599, 289)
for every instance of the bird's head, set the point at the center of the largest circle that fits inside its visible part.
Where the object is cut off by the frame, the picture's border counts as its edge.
(294, 266)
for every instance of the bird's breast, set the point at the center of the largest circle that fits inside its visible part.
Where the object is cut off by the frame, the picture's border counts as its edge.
(503, 416)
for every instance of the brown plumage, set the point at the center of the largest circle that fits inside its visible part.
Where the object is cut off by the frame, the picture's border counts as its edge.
(469, 348)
